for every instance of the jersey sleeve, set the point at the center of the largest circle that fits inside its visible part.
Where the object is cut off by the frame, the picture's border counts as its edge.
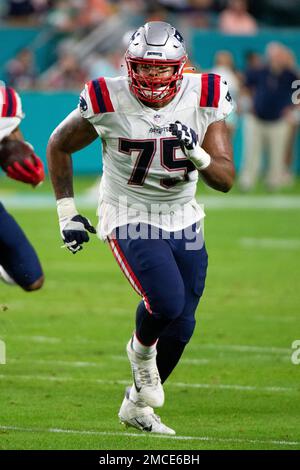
(95, 100)
(215, 96)
(10, 103)
(11, 112)
(226, 104)
(85, 105)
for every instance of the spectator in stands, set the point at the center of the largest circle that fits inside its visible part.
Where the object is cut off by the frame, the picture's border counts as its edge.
(133, 8)
(64, 16)
(235, 19)
(200, 14)
(66, 75)
(253, 60)
(41, 6)
(26, 11)
(277, 12)
(93, 12)
(21, 72)
(20, 8)
(267, 125)
(224, 66)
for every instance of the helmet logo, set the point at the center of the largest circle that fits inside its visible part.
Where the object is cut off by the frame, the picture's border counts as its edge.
(178, 36)
(135, 35)
(154, 54)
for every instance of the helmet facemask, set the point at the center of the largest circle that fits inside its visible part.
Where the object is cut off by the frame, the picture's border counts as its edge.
(153, 89)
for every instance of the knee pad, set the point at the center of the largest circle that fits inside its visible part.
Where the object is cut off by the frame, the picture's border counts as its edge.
(169, 306)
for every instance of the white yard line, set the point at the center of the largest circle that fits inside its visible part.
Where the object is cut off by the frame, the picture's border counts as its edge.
(100, 363)
(188, 361)
(49, 362)
(148, 435)
(241, 348)
(242, 388)
(238, 201)
(271, 243)
(250, 202)
(38, 339)
(192, 346)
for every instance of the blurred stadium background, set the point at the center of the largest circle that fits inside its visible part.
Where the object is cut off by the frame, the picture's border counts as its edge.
(66, 365)
(53, 47)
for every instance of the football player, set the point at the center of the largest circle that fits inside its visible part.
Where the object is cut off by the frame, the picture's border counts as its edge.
(160, 129)
(19, 263)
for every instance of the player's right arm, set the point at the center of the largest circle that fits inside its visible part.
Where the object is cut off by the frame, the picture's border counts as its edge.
(73, 134)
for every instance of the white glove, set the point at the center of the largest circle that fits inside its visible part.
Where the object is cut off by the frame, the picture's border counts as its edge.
(74, 227)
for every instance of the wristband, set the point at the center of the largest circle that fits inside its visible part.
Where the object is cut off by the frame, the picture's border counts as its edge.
(200, 158)
(66, 207)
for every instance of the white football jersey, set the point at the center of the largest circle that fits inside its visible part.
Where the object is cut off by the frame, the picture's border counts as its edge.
(146, 176)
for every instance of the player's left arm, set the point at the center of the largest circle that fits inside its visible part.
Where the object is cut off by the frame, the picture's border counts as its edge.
(220, 173)
(213, 158)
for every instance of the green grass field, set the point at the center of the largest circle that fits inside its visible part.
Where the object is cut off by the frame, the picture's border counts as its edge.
(235, 388)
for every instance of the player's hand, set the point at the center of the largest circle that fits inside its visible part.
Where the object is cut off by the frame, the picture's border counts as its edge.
(74, 231)
(189, 144)
(30, 170)
(186, 135)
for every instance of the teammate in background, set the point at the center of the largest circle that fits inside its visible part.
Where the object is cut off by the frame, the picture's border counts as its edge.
(19, 263)
(267, 127)
(160, 130)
